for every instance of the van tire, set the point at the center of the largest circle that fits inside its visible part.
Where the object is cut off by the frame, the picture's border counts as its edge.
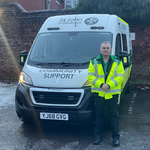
(26, 121)
(128, 88)
(118, 111)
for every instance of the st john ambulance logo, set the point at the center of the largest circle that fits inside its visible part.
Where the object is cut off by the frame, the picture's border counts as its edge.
(91, 21)
(57, 82)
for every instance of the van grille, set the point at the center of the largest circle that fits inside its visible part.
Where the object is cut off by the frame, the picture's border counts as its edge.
(56, 98)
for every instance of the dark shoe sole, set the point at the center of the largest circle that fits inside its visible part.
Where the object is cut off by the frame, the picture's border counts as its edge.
(97, 142)
(116, 144)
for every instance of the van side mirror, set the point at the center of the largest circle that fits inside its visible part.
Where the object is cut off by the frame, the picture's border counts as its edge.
(23, 56)
(123, 56)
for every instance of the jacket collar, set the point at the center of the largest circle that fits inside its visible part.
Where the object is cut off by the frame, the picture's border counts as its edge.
(100, 56)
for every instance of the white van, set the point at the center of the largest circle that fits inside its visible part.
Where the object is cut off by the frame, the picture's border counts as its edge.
(53, 84)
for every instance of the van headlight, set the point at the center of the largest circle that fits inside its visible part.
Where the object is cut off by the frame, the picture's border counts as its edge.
(25, 78)
(87, 83)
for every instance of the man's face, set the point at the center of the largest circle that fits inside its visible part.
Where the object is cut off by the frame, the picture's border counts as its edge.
(105, 49)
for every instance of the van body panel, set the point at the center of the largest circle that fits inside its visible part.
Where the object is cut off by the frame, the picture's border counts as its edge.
(53, 81)
(56, 78)
(78, 22)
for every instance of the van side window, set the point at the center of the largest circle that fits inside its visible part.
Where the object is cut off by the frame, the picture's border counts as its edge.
(124, 41)
(118, 44)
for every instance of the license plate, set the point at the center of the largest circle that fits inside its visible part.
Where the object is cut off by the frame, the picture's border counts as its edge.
(54, 116)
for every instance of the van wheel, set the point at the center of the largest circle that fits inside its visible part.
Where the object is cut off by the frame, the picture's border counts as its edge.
(118, 112)
(26, 121)
(128, 88)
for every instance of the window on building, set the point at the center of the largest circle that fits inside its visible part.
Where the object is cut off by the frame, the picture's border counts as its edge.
(74, 4)
(71, 4)
(68, 5)
(57, 5)
(49, 1)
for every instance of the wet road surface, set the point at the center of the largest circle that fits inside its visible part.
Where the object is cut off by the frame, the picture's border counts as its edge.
(134, 127)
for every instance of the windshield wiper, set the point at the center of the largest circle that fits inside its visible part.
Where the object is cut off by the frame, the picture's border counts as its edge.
(42, 64)
(49, 64)
(84, 63)
(61, 63)
(66, 64)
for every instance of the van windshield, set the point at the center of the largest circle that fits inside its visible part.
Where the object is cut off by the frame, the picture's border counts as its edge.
(67, 47)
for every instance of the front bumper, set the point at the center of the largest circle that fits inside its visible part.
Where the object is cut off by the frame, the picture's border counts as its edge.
(83, 114)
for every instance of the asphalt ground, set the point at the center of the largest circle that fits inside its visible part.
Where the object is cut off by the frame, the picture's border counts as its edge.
(134, 120)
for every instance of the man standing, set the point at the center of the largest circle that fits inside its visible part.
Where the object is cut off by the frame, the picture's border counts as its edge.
(106, 74)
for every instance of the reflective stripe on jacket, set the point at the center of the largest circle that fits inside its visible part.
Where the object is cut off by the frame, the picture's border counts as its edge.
(114, 76)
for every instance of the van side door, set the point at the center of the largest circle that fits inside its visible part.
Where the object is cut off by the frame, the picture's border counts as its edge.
(122, 49)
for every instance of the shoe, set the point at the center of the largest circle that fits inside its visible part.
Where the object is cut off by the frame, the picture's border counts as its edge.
(116, 142)
(97, 140)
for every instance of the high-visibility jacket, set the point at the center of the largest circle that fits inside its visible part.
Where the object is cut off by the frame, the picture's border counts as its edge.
(114, 76)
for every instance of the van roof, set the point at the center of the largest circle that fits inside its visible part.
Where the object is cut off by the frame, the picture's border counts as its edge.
(83, 22)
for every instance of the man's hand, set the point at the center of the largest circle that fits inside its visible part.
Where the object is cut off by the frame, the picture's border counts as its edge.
(105, 87)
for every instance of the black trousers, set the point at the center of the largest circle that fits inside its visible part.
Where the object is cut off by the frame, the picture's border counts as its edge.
(111, 105)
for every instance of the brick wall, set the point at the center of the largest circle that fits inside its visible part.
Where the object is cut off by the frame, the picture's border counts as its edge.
(18, 29)
(53, 4)
(31, 5)
(141, 51)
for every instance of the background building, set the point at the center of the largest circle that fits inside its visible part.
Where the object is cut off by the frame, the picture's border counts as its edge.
(31, 5)
(70, 4)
